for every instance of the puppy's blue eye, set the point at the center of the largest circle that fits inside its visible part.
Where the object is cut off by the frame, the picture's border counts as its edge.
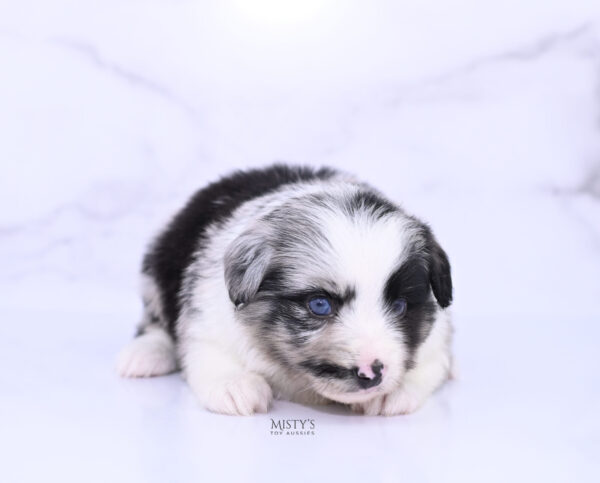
(320, 306)
(399, 307)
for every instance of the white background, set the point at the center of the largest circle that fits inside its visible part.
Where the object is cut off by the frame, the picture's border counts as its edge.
(480, 117)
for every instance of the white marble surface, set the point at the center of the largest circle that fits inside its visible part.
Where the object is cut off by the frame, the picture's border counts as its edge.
(481, 117)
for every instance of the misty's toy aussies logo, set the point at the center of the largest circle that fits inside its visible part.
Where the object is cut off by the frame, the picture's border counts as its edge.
(293, 427)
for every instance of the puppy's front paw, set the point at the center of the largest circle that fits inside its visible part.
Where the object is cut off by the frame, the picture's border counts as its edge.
(241, 395)
(149, 354)
(402, 401)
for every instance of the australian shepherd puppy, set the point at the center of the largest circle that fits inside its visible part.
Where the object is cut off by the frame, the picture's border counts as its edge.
(300, 284)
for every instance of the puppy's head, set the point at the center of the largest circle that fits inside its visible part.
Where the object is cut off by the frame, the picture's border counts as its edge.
(341, 288)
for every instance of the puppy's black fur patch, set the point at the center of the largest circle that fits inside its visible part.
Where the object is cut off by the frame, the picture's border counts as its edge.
(377, 206)
(326, 369)
(439, 269)
(428, 269)
(411, 282)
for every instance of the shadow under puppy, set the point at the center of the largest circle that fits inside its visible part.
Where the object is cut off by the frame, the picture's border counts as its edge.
(302, 284)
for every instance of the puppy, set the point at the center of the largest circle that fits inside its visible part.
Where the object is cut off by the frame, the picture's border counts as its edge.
(300, 284)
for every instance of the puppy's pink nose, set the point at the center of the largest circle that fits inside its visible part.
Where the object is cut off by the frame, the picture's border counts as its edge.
(368, 375)
(366, 371)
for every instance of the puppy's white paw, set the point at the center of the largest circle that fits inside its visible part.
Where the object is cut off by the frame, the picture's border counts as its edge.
(241, 395)
(150, 354)
(402, 401)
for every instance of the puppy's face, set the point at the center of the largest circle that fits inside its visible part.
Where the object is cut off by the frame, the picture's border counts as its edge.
(341, 290)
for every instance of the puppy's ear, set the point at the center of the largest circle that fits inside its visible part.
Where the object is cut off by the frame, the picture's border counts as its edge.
(246, 262)
(439, 270)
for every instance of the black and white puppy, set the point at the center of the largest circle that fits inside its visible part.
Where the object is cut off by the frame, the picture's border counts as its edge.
(300, 284)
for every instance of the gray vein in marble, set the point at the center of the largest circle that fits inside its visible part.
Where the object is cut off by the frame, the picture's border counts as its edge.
(65, 208)
(591, 183)
(530, 52)
(589, 187)
(538, 48)
(92, 54)
(588, 226)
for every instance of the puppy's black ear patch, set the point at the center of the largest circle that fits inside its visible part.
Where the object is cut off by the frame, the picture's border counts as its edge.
(439, 270)
(246, 262)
